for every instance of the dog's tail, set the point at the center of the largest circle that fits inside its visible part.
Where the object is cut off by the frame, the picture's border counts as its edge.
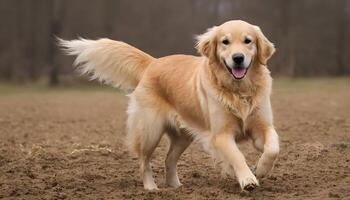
(112, 62)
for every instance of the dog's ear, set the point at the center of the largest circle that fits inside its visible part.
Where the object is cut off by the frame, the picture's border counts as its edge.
(206, 44)
(264, 47)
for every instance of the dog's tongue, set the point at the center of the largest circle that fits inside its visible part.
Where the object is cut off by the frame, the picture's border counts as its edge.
(238, 72)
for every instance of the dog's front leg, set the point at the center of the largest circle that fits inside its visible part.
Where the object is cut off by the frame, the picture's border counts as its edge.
(225, 145)
(269, 145)
(264, 136)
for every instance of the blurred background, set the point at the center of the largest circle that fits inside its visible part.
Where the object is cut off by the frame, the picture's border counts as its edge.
(63, 137)
(312, 36)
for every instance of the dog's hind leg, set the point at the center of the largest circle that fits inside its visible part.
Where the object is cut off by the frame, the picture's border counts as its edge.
(179, 141)
(145, 129)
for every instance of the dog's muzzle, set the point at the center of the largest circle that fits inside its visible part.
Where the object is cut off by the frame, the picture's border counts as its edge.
(237, 71)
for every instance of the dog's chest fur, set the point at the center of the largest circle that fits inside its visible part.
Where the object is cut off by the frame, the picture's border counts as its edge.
(242, 99)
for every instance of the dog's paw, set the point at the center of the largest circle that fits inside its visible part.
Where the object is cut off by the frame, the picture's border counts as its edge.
(250, 187)
(262, 170)
(249, 183)
(151, 187)
(173, 182)
(174, 185)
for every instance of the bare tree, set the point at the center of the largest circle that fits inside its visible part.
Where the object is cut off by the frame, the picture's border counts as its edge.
(17, 46)
(57, 10)
(163, 27)
(341, 36)
(30, 49)
(289, 54)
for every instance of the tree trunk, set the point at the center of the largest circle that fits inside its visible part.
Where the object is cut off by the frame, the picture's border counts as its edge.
(57, 12)
(341, 39)
(289, 42)
(31, 44)
(17, 59)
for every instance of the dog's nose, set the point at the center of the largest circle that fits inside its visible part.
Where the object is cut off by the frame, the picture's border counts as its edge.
(238, 58)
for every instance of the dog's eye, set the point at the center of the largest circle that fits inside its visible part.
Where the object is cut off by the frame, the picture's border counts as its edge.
(247, 41)
(225, 42)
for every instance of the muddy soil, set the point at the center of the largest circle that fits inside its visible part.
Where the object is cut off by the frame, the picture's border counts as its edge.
(69, 144)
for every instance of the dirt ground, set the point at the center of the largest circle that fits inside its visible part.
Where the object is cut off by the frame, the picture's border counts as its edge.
(68, 144)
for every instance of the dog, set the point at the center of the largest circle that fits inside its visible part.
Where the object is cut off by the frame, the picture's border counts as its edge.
(219, 98)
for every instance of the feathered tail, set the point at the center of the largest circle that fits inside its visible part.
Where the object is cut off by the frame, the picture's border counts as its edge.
(112, 62)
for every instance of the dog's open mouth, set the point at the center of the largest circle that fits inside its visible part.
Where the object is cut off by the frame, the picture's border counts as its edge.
(237, 72)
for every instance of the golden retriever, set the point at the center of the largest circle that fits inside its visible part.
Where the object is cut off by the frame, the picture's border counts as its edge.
(219, 98)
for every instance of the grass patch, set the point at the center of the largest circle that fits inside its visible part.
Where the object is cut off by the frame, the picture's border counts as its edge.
(280, 84)
(311, 84)
(14, 89)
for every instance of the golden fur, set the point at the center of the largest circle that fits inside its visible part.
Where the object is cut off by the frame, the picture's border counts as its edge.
(188, 97)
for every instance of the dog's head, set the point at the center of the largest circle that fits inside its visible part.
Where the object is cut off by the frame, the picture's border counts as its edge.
(235, 46)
